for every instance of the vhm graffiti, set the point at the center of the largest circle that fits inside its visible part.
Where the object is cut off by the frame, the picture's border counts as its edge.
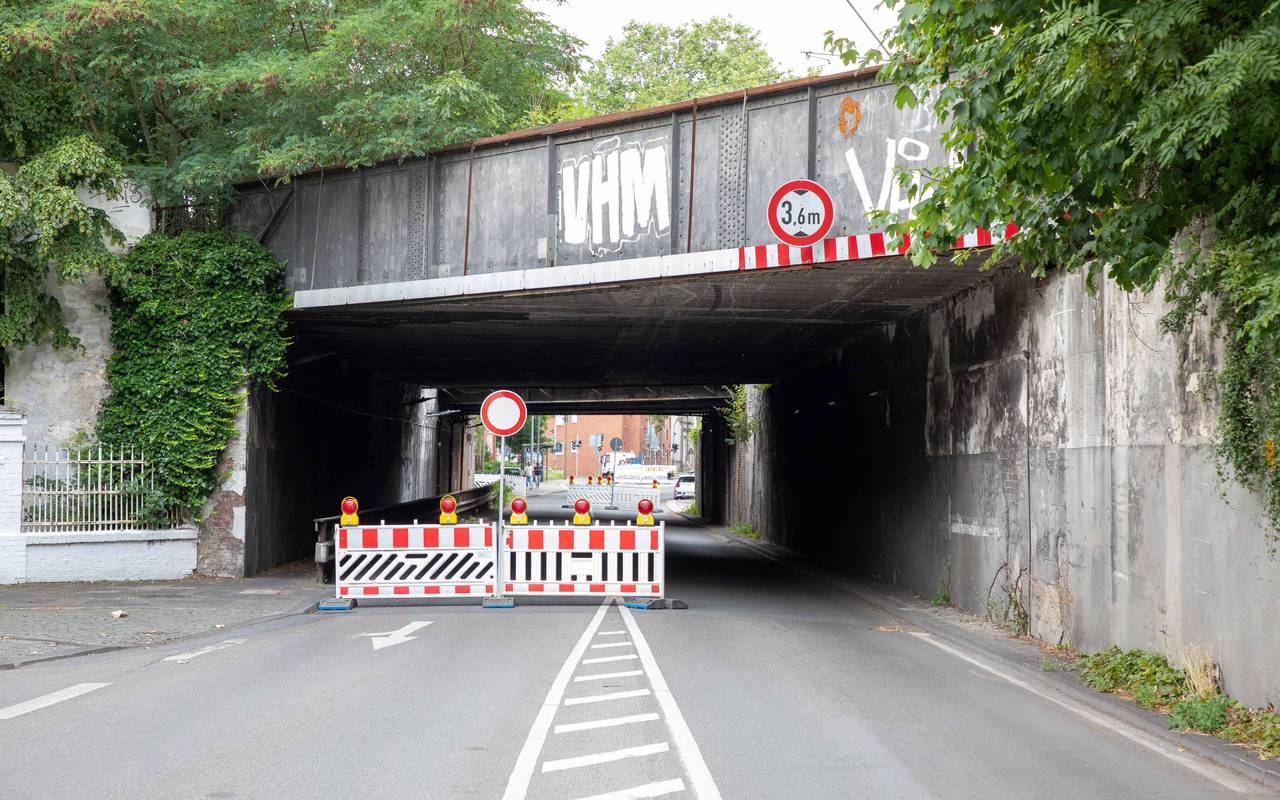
(617, 193)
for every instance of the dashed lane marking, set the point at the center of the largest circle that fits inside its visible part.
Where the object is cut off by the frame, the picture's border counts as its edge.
(44, 701)
(610, 644)
(603, 758)
(183, 658)
(607, 659)
(658, 789)
(611, 633)
(604, 676)
(518, 783)
(572, 727)
(604, 698)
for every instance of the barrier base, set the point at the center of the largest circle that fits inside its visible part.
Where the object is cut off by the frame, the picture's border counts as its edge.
(498, 602)
(337, 604)
(646, 603)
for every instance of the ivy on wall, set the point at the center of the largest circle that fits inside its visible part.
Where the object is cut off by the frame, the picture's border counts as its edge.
(194, 319)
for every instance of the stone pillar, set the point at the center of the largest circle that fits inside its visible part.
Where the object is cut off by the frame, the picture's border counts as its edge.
(13, 546)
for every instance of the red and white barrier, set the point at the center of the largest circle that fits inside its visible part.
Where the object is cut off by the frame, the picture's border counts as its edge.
(414, 560)
(584, 559)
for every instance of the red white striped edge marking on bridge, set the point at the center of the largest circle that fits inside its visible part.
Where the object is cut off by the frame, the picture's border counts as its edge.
(840, 248)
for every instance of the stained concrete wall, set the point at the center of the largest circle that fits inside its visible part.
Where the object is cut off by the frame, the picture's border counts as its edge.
(922, 444)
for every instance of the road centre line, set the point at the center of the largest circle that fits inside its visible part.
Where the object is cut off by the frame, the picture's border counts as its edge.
(607, 659)
(605, 757)
(601, 698)
(1101, 720)
(704, 786)
(610, 644)
(603, 676)
(46, 700)
(522, 773)
(648, 790)
(612, 722)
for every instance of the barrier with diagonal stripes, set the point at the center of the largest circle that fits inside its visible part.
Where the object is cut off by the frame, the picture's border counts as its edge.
(400, 560)
(584, 559)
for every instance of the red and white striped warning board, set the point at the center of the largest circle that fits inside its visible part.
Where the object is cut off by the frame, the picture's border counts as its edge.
(584, 559)
(395, 560)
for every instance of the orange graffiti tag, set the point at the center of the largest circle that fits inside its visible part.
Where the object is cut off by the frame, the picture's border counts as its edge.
(1269, 453)
(850, 116)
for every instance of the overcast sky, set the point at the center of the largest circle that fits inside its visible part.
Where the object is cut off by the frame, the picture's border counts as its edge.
(787, 27)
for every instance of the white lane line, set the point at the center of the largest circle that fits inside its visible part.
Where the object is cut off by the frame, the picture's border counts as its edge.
(611, 633)
(1114, 726)
(602, 698)
(522, 773)
(603, 676)
(610, 644)
(607, 659)
(223, 645)
(44, 701)
(648, 790)
(605, 757)
(704, 786)
(604, 723)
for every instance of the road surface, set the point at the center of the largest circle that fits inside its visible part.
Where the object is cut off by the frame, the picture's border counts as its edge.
(771, 685)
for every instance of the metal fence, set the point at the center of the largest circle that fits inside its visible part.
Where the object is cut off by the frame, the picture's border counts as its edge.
(84, 488)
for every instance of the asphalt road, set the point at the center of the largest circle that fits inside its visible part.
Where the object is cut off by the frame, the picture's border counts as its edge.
(771, 685)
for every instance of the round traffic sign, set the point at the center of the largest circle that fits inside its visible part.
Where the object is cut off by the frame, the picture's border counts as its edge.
(503, 413)
(800, 213)
(615, 444)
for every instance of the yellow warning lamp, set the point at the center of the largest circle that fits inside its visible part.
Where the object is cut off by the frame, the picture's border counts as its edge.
(350, 509)
(519, 512)
(448, 510)
(570, 480)
(582, 512)
(645, 507)
(655, 484)
(589, 479)
(610, 479)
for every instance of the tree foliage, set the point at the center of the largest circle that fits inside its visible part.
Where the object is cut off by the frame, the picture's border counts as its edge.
(44, 221)
(196, 95)
(1134, 138)
(654, 64)
(194, 319)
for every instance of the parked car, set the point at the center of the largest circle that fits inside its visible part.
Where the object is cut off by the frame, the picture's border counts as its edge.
(685, 487)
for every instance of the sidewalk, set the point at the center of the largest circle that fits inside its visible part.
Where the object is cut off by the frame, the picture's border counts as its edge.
(1021, 658)
(52, 620)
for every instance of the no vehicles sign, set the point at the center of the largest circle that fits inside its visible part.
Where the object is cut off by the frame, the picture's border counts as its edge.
(800, 213)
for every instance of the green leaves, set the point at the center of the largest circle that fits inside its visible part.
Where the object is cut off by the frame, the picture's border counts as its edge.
(197, 95)
(195, 319)
(1111, 134)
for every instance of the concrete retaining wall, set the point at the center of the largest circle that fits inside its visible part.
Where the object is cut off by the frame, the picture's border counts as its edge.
(933, 432)
(103, 556)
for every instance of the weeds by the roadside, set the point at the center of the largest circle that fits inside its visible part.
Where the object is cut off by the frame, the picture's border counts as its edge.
(744, 529)
(693, 509)
(942, 597)
(1192, 697)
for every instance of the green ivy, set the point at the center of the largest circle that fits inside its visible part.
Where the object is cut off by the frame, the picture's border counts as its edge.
(734, 411)
(195, 319)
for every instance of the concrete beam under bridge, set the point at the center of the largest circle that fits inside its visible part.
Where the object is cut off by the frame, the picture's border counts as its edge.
(596, 400)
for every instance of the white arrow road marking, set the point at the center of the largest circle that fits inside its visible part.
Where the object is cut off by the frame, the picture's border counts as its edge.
(399, 636)
(183, 658)
(49, 699)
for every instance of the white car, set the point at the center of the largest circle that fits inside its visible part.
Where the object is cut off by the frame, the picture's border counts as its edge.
(685, 487)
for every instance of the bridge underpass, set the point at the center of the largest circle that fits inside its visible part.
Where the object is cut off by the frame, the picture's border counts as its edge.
(974, 431)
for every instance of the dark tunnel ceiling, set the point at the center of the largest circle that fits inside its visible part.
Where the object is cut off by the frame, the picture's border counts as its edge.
(736, 327)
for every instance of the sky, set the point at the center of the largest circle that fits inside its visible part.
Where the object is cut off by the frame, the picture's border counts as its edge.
(786, 28)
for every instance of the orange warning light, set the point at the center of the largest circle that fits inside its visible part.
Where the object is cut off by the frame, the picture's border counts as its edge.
(448, 510)
(350, 509)
(519, 509)
(645, 507)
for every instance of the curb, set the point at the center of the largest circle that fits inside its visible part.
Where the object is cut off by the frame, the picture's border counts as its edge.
(1227, 755)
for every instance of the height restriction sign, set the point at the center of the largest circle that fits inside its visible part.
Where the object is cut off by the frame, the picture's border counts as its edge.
(800, 213)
